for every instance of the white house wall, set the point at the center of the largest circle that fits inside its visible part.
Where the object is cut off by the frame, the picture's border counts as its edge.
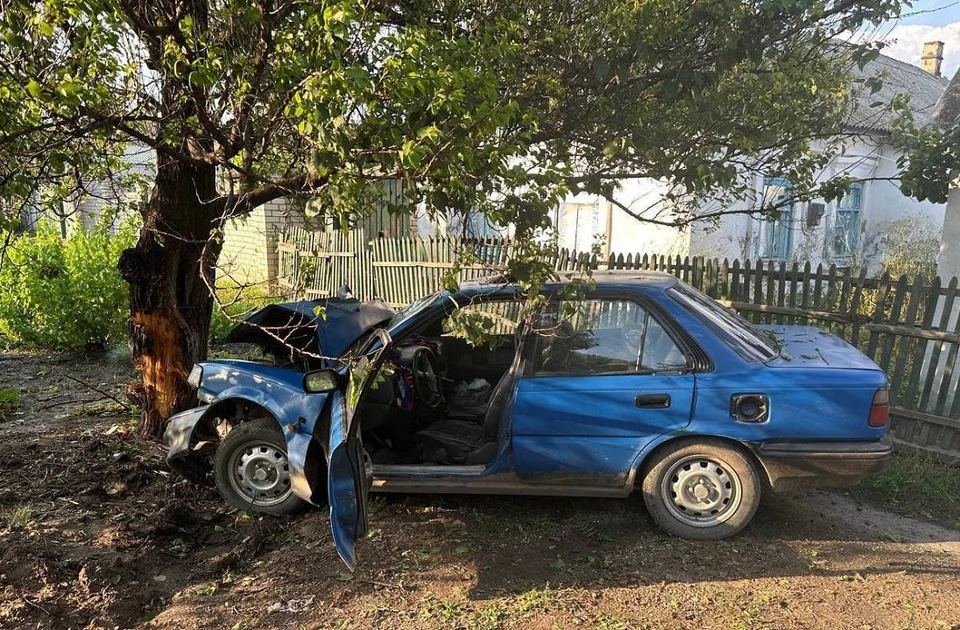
(884, 216)
(885, 212)
(88, 209)
(616, 230)
(888, 213)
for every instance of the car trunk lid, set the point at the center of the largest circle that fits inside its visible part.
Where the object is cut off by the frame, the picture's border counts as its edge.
(810, 347)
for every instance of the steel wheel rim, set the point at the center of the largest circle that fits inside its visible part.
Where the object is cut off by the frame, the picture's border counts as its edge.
(260, 474)
(701, 491)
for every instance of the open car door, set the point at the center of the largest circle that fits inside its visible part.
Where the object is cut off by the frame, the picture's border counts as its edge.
(350, 473)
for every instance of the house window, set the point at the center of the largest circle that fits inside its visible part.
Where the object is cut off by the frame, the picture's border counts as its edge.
(846, 230)
(774, 238)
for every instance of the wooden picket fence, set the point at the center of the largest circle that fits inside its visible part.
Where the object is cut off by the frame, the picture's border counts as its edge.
(909, 326)
(316, 264)
(397, 270)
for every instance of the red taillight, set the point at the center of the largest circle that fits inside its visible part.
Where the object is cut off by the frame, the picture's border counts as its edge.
(880, 409)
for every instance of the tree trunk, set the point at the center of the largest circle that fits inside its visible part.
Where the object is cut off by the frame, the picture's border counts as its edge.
(170, 304)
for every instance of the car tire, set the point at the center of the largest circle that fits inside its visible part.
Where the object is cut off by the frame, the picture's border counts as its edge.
(703, 490)
(251, 469)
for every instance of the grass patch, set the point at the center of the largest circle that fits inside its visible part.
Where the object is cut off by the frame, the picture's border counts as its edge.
(9, 399)
(16, 518)
(916, 485)
(460, 614)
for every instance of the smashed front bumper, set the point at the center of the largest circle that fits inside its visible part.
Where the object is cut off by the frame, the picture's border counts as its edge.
(185, 455)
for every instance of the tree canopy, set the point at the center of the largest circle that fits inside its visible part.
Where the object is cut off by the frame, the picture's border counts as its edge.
(493, 106)
(930, 159)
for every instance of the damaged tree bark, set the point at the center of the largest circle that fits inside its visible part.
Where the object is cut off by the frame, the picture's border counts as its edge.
(170, 304)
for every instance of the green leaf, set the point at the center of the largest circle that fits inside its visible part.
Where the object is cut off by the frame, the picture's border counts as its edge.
(428, 133)
(33, 87)
(359, 76)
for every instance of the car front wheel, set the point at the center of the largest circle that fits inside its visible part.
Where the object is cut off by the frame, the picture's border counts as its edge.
(252, 471)
(702, 491)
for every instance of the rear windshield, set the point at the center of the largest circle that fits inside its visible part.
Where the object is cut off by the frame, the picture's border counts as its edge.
(746, 340)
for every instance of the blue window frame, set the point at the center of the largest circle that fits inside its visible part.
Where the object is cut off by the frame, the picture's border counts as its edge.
(846, 228)
(774, 240)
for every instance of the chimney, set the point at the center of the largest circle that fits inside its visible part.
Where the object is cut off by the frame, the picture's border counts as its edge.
(932, 58)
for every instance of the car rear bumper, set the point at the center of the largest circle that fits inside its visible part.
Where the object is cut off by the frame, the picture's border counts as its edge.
(806, 465)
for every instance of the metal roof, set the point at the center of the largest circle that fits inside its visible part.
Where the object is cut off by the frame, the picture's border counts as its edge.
(872, 112)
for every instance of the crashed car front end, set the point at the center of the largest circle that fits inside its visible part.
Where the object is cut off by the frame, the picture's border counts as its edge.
(300, 336)
(243, 390)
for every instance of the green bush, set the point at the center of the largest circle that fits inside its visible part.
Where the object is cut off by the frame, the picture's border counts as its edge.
(9, 399)
(64, 293)
(911, 248)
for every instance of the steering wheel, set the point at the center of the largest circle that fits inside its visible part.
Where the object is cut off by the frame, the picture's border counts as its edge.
(426, 383)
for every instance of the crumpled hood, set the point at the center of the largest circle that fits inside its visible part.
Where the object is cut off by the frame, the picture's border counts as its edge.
(324, 327)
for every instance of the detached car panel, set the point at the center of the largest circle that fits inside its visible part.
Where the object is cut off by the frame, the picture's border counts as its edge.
(646, 385)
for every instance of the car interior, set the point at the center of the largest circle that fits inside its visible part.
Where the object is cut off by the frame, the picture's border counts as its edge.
(440, 399)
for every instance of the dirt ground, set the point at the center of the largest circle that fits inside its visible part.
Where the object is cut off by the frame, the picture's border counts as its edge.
(95, 533)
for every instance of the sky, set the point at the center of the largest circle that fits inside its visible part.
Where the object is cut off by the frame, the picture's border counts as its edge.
(924, 21)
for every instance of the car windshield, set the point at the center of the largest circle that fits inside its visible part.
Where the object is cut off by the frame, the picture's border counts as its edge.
(412, 310)
(743, 337)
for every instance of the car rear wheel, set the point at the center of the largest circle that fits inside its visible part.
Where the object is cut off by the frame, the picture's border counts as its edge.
(252, 471)
(702, 491)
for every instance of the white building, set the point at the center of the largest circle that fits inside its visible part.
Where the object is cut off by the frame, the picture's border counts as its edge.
(858, 230)
(109, 201)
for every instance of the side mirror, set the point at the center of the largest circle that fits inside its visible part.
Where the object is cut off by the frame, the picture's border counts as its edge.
(320, 381)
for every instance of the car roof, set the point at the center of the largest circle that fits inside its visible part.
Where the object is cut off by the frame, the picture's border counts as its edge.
(622, 277)
(611, 278)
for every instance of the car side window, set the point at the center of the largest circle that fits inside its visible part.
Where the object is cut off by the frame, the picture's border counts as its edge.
(659, 352)
(489, 324)
(496, 317)
(601, 336)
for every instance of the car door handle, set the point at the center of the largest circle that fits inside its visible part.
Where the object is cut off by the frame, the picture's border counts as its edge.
(653, 401)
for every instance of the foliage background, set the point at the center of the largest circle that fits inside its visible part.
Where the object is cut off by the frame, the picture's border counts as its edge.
(65, 293)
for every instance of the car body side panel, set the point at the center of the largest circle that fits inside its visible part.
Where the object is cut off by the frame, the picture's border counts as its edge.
(588, 429)
(559, 460)
(822, 397)
(178, 438)
(805, 404)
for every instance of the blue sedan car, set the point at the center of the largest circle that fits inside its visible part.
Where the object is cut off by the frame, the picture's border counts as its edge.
(640, 384)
